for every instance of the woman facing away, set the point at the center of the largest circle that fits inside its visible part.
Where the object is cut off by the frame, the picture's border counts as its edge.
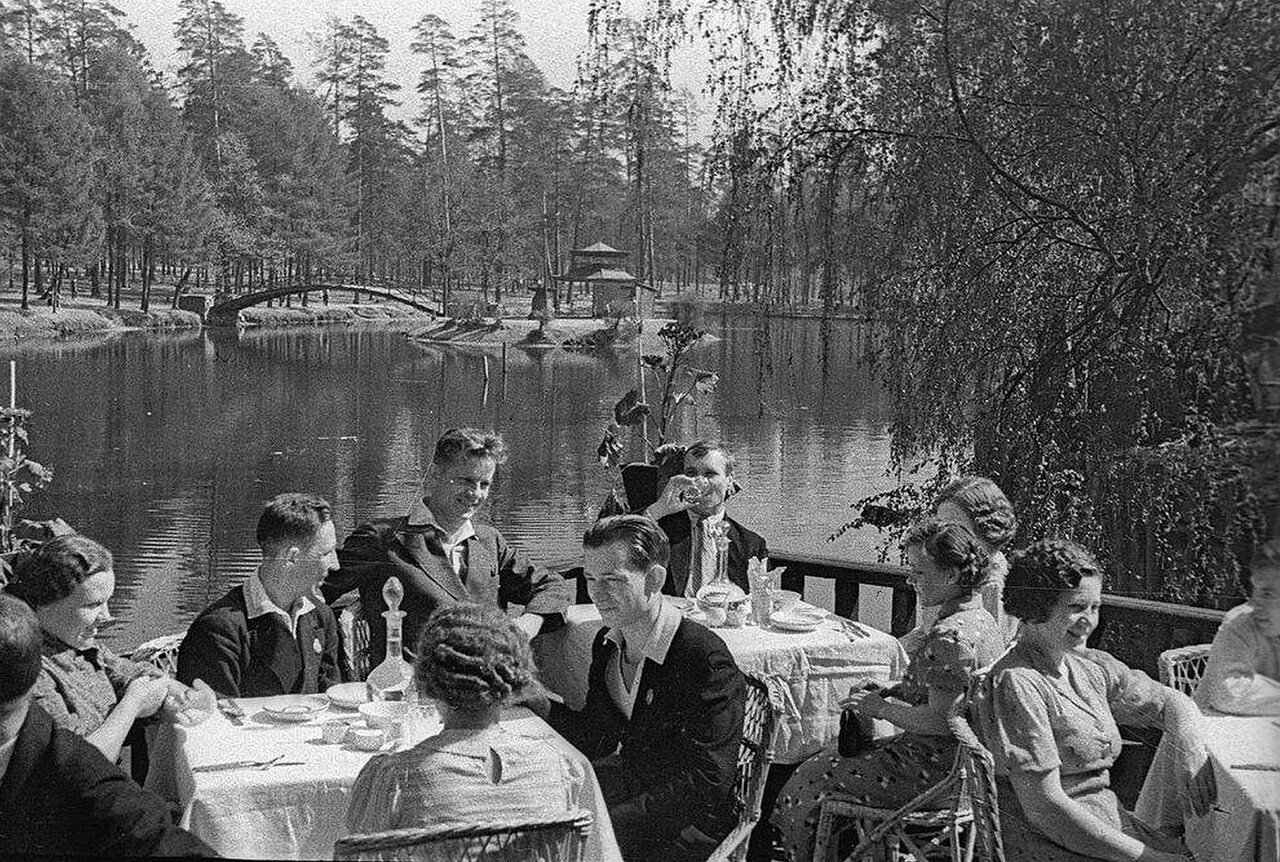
(86, 688)
(1048, 712)
(472, 661)
(948, 564)
(977, 503)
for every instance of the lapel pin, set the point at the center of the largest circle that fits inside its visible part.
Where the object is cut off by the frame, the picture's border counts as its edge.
(648, 698)
(315, 645)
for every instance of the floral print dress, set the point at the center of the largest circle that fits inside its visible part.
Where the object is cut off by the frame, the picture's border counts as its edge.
(1034, 721)
(892, 772)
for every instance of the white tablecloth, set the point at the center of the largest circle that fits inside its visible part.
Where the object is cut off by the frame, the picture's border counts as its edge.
(811, 671)
(1245, 825)
(298, 812)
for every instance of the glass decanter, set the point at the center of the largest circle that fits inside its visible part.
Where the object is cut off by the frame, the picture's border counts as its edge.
(392, 679)
(721, 597)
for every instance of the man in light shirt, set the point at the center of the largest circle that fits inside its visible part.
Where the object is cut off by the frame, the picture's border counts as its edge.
(664, 707)
(273, 634)
(1243, 675)
(690, 509)
(440, 555)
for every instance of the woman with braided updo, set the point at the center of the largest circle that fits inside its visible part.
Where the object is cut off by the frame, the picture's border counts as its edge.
(472, 661)
(949, 564)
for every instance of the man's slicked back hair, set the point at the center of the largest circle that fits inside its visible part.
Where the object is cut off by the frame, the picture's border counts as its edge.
(469, 443)
(645, 542)
(292, 518)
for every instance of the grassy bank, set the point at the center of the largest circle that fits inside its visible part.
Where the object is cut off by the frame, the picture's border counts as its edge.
(324, 314)
(44, 323)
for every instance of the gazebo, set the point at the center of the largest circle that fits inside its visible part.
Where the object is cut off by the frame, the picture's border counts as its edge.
(614, 291)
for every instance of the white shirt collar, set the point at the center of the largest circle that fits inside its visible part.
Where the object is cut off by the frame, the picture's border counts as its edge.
(422, 516)
(6, 754)
(257, 603)
(710, 520)
(658, 642)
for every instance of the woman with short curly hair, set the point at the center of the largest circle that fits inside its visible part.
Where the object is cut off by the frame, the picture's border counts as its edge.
(948, 564)
(1049, 710)
(471, 661)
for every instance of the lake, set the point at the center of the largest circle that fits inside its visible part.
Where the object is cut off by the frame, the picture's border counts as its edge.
(164, 446)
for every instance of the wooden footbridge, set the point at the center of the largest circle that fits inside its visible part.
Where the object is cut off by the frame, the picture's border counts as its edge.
(429, 301)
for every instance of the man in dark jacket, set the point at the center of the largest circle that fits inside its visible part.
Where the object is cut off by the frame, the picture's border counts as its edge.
(663, 715)
(440, 556)
(690, 510)
(58, 795)
(273, 634)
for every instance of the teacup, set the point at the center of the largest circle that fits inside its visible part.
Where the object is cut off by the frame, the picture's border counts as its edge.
(367, 738)
(334, 732)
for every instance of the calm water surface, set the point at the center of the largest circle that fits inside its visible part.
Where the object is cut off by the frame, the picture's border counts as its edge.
(165, 446)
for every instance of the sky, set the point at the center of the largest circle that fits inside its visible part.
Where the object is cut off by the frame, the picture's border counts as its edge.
(555, 31)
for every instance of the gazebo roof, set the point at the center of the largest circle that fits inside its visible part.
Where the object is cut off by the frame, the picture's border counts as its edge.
(600, 250)
(598, 275)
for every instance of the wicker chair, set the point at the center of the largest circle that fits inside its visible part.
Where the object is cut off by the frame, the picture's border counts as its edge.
(161, 653)
(967, 828)
(560, 840)
(1183, 667)
(353, 634)
(755, 753)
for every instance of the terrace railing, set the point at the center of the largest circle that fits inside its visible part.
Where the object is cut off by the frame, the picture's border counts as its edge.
(1135, 630)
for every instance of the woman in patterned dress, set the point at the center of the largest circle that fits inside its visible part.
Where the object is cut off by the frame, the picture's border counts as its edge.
(86, 688)
(948, 564)
(1048, 712)
(978, 503)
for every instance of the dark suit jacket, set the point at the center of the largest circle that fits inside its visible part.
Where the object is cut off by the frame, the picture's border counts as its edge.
(670, 786)
(61, 797)
(493, 573)
(242, 657)
(743, 545)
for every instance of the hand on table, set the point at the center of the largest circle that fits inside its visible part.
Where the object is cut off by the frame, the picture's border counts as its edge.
(189, 706)
(145, 695)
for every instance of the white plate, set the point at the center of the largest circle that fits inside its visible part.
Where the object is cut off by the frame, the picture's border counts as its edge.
(295, 707)
(348, 695)
(790, 621)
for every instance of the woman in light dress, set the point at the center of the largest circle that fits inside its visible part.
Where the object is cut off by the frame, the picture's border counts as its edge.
(472, 661)
(1048, 712)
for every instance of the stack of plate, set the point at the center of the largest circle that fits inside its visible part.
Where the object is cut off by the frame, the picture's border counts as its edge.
(798, 619)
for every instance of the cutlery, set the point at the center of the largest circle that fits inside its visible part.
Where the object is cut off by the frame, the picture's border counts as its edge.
(247, 764)
(1258, 767)
(231, 710)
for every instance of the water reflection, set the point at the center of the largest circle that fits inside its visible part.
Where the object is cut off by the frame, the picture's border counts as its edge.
(165, 446)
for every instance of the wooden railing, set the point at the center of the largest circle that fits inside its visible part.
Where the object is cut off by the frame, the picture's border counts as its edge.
(1135, 630)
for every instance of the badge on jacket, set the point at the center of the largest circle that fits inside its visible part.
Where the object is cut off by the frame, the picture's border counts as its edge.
(317, 646)
(648, 698)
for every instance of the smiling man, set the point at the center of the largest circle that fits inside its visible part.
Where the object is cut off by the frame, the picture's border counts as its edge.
(440, 554)
(664, 706)
(273, 635)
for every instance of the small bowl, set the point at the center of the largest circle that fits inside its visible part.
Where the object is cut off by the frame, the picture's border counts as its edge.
(335, 732)
(348, 695)
(385, 714)
(785, 600)
(367, 738)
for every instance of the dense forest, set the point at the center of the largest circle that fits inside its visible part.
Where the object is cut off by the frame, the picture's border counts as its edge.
(1062, 215)
(245, 176)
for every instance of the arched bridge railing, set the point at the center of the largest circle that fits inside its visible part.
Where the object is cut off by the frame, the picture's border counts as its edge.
(429, 301)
